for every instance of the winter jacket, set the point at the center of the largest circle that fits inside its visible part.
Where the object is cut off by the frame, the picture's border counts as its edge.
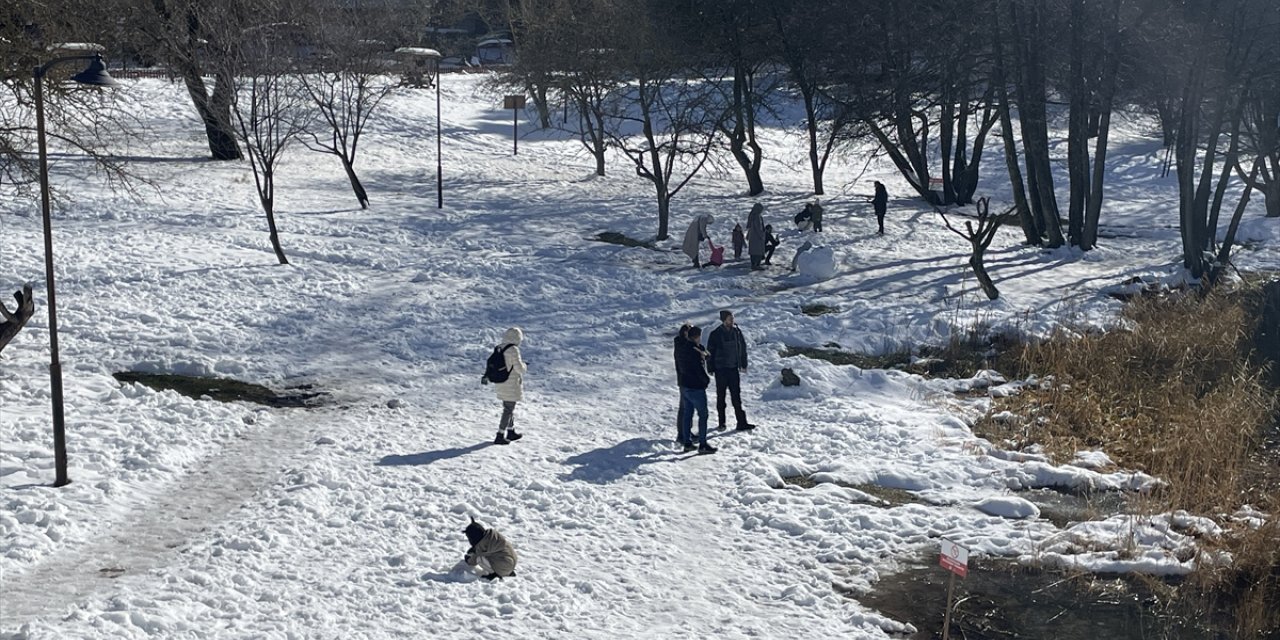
(513, 389)
(739, 239)
(679, 375)
(691, 364)
(881, 200)
(815, 211)
(727, 349)
(755, 231)
(496, 551)
(695, 234)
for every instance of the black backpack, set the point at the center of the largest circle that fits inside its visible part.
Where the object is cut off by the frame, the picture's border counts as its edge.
(495, 368)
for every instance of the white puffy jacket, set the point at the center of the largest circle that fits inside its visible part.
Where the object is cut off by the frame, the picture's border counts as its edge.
(513, 389)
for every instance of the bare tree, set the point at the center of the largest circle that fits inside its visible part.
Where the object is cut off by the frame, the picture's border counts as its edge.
(676, 116)
(806, 35)
(345, 86)
(979, 240)
(271, 112)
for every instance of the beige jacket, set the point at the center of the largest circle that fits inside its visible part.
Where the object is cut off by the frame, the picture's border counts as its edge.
(494, 551)
(513, 389)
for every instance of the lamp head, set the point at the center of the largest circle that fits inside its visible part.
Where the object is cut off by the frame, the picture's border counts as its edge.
(95, 74)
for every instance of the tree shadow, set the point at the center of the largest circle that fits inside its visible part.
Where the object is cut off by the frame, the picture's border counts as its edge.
(605, 465)
(427, 457)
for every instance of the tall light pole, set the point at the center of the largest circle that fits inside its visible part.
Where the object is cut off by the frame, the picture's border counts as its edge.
(439, 162)
(95, 74)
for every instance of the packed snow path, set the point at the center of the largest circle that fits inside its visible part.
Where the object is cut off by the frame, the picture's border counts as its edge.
(158, 526)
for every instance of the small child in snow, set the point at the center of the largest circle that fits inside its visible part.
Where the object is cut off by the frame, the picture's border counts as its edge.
(490, 551)
(771, 242)
(739, 241)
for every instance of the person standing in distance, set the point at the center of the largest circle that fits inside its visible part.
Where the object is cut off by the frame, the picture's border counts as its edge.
(727, 360)
(512, 390)
(880, 202)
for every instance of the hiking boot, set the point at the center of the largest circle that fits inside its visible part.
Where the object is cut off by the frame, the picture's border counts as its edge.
(720, 427)
(512, 436)
(705, 449)
(500, 439)
(745, 427)
(688, 446)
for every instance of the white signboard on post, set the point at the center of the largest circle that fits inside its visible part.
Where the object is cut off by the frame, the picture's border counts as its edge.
(954, 558)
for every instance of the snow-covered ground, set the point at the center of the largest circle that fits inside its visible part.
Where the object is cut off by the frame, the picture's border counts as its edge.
(193, 518)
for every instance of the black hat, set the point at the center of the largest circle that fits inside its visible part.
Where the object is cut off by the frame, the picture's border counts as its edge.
(474, 531)
(725, 313)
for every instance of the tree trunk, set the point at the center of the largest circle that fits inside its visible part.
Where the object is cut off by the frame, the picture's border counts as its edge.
(265, 180)
(1224, 253)
(214, 111)
(358, 188)
(743, 132)
(664, 211)
(1030, 83)
(1032, 231)
(1078, 130)
(1185, 159)
(539, 94)
(811, 127)
(946, 138)
(980, 272)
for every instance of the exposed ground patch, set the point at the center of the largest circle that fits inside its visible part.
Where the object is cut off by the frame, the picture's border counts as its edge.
(222, 389)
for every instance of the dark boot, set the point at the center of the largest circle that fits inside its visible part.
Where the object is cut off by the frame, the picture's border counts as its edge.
(500, 439)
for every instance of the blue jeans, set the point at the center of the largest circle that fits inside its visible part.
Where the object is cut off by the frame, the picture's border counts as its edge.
(694, 400)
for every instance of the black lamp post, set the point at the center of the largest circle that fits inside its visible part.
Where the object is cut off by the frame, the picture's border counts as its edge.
(439, 163)
(95, 74)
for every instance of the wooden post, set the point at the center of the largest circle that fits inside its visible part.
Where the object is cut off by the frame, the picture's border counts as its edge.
(946, 619)
(515, 103)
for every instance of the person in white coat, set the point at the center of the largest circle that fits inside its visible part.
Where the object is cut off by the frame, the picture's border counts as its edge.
(694, 235)
(510, 391)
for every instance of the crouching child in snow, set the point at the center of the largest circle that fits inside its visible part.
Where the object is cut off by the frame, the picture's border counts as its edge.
(490, 551)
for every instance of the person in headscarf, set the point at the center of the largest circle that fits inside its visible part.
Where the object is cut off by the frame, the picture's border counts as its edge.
(511, 390)
(694, 235)
(755, 236)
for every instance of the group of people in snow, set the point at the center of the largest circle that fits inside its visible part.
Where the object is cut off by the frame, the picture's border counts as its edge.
(758, 238)
(725, 357)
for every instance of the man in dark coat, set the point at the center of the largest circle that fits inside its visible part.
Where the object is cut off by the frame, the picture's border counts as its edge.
(727, 359)
(880, 202)
(691, 369)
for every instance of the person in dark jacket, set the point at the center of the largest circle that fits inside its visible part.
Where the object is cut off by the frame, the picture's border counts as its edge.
(880, 202)
(739, 241)
(727, 359)
(771, 242)
(681, 337)
(691, 368)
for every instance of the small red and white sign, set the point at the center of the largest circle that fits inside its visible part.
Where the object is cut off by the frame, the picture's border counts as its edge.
(954, 558)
